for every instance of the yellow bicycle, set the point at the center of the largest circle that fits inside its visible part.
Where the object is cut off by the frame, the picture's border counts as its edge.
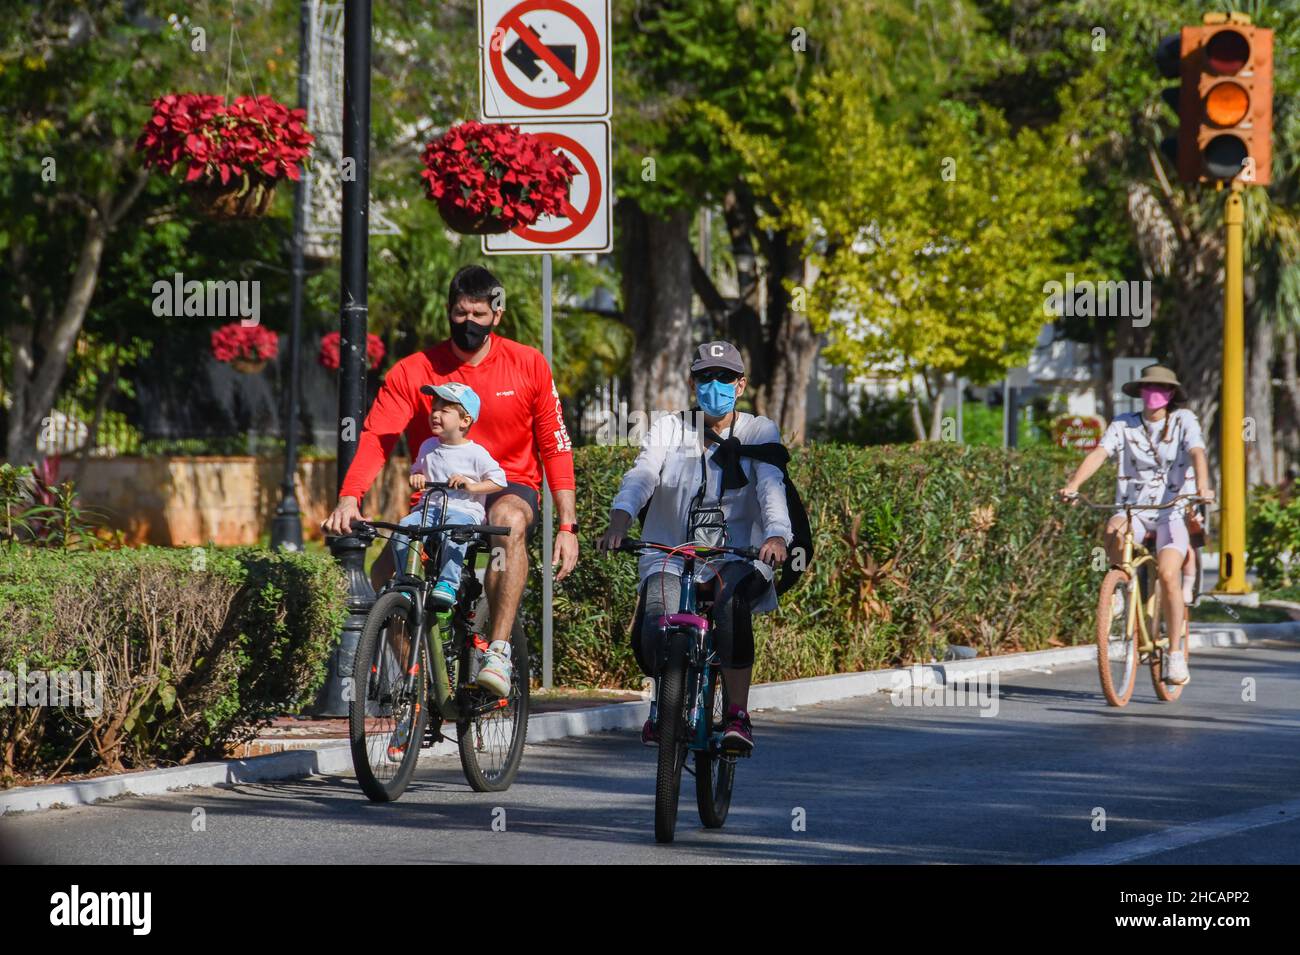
(1130, 631)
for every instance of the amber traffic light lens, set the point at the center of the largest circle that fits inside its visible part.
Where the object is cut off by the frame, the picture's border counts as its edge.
(1226, 104)
(1224, 155)
(1227, 52)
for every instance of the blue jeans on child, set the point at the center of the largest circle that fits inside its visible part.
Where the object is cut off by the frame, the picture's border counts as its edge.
(453, 554)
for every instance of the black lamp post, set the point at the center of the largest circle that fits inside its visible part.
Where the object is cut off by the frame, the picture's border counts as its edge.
(286, 526)
(350, 551)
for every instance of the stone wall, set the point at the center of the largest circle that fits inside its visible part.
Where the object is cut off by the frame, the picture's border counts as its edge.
(184, 501)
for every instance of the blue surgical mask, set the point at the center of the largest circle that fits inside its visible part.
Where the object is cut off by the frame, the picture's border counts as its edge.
(716, 398)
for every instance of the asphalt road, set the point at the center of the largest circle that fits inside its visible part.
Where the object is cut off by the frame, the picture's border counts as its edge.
(1209, 779)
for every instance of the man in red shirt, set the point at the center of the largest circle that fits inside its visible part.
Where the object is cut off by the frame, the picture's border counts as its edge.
(520, 424)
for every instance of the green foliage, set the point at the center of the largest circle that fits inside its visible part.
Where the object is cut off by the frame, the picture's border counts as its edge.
(917, 547)
(196, 649)
(1273, 536)
(41, 513)
(944, 274)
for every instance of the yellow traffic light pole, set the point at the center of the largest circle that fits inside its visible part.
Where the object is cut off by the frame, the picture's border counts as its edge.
(1232, 411)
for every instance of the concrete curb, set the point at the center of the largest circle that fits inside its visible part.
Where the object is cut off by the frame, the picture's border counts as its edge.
(335, 757)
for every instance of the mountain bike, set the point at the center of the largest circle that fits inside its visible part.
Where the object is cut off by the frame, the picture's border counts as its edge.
(1130, 625)
(689, 707)
(416, 663)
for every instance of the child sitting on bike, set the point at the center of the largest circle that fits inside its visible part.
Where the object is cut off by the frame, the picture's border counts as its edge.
(1162, 456)
(696, 495)
(450, 457)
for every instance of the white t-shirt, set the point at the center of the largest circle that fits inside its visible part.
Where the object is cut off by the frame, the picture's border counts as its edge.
(438, 461)
(1152, 471)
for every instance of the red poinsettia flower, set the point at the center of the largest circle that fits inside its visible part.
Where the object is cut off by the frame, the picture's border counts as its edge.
(329, 351)
(212, 140)
(237, 341)
(492, 169)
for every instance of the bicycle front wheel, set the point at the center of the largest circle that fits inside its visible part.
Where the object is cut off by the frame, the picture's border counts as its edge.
(672, 738)
(715, 774)
(386, 712)
(1117, 653)
(492, 735)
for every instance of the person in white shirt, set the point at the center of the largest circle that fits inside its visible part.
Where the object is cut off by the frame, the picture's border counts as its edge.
(449, 457)
(1161, 456)
(678, 473)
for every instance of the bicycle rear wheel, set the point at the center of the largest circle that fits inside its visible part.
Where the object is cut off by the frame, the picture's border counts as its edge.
(1117, 654)
(672, 737)
(492, 741)
(715, 774)
(385, 718)
(1167, 692)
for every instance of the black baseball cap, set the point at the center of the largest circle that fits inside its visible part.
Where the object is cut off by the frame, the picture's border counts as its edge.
(718, 355)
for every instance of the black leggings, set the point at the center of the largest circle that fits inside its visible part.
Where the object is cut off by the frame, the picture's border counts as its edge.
(733, 621)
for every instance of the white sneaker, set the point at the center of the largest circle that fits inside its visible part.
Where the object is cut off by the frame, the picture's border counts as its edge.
(494, 675)
(1176, 668)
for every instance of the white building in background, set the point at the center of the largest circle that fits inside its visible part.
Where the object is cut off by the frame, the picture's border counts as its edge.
(1057, 367)
(1066, 369)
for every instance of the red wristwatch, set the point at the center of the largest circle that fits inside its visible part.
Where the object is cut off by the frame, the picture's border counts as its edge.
(571, 528)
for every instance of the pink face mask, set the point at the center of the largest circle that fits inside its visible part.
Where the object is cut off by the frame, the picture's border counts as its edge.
(1155, 397)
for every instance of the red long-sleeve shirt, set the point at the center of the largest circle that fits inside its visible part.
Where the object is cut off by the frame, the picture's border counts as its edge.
(520, 421)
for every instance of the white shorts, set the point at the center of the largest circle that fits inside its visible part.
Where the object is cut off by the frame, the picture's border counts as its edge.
(1169, 533)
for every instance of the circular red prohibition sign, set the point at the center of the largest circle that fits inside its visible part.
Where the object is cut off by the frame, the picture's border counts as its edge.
(577, 84)
(579, 219)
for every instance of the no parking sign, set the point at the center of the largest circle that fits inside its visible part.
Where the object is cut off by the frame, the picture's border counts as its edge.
(544, 58)
(547, 62)
(587, 225)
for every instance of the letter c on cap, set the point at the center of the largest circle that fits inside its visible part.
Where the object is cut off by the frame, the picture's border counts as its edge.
(716, 351)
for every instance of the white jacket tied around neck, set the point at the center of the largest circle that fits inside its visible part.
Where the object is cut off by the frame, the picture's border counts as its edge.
(668, 467)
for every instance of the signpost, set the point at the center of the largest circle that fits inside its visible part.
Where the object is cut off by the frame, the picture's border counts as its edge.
(545, 64)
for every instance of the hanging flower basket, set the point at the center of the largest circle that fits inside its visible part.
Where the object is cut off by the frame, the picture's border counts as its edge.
(246, 348)
(489, 178)
(240, 199)
(233, 155)
(329, 351)
(247, 366)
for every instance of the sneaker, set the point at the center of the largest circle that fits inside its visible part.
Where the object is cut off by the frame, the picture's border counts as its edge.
(494, 675)
(739, 734)
(1176, 668)
(444, 594)
(397, 742)
(650, 733)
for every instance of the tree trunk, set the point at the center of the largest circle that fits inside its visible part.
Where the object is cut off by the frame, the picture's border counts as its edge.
(1291, 387)
(793, 345)
(744, 322)
(1259, 405)
(657, 259)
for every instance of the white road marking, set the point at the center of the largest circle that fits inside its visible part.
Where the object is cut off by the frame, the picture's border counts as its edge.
(1180, 836)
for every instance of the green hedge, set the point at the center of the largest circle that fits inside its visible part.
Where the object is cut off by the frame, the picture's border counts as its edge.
(1273, 535)
(917, 547)
(196, 648)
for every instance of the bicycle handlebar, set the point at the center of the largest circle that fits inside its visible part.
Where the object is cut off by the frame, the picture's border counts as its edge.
(368, 529)
(1087, 502)
(632, 545)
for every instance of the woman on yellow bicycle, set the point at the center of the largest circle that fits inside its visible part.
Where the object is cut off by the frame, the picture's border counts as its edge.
(1162, 456)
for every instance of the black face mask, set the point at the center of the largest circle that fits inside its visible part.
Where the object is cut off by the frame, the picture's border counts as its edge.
(469, 335)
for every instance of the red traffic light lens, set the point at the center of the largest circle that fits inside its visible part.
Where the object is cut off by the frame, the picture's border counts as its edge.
(1224, 156)
(1227, 104)
(1227, 52)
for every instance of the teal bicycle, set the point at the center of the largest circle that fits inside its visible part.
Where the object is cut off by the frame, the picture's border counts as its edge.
(690, 702)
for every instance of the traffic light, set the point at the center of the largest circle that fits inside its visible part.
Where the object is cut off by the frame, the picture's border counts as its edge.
(1225, 102)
